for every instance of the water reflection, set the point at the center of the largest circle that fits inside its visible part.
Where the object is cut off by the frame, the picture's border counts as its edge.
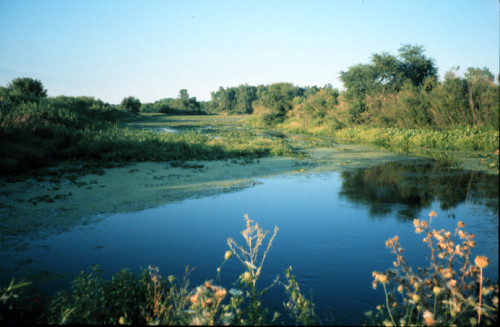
(409, 187)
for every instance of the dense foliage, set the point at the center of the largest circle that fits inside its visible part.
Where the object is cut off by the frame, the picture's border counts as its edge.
(391, 91)
(46, 131)
(398, 98)
(182, 105)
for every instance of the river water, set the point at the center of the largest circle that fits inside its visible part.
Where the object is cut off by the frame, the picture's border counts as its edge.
(332, 231)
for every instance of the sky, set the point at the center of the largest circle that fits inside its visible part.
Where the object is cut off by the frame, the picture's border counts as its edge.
(112, 49)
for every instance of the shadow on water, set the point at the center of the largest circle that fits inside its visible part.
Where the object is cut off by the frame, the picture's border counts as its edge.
(410, 187)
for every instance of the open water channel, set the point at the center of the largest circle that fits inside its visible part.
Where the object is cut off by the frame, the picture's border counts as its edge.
(333, 225)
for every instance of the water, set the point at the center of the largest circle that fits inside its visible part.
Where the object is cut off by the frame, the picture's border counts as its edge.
(332, 231)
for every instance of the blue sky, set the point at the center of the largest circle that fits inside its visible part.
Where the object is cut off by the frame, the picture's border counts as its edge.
(151, 49)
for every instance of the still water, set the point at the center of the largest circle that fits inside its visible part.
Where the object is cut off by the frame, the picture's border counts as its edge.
(332, 231)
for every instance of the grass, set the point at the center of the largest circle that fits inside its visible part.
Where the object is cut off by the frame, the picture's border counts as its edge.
(37, 136)
(448, 145)
(451, 291)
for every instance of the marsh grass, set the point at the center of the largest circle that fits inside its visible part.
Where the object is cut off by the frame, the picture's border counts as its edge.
(37, 136)
(451, 291)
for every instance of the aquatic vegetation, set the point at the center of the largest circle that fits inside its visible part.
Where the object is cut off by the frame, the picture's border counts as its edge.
(451, 291)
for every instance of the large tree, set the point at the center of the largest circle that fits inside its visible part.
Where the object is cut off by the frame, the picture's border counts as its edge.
(25, 89)
(385, 73)
(414, 65)
(132, 104)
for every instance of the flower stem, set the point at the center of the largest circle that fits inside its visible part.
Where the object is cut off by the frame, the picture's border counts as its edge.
(387, 305)
(480, 295)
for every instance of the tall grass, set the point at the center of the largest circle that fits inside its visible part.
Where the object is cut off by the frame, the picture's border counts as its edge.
(38, 135)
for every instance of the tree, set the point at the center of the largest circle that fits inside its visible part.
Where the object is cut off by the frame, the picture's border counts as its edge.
(415, 65)
(479, 82)
(385, 74)
(25, 89)
(132, 104)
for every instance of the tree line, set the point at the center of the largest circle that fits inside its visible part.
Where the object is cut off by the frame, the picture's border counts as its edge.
(390, 91)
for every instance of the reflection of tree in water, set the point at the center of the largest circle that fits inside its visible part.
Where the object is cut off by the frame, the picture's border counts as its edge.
(411, 187)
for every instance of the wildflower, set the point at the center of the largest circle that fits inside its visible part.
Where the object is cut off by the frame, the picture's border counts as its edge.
(418, 230)
(429, 318)
(461, 224)
(209, 302)
(415, 298)
(194, 298)
(400, 289)
(196, 322)
(416, 223)
(220, 293)
(432, 214)
(207, 285)
(391, 241)
(228, 255)
(481, 261)
(250, 265)
(461, 234)
(235, 292)
(227, 319)
(438, 236)
(387, 323)
(380, 277)
(446, 273)
(436, 290)
(247, 278)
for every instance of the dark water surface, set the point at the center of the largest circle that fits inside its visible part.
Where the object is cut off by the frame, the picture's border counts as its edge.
(332, 231)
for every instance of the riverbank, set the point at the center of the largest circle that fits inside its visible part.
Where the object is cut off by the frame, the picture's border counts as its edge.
(466, 148)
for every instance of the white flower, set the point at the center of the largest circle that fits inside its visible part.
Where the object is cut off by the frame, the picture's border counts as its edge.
(250, 265)
(235, 292)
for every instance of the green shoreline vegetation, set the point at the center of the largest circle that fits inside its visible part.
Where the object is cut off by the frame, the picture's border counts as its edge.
(396, 101)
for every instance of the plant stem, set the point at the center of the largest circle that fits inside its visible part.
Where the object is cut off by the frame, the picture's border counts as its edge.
(387, 305)
(480, 294)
